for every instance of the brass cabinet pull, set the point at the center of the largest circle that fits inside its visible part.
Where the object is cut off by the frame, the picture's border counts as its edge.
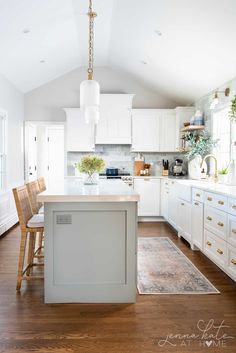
(220, 224)
(234, 231)
(208, 243)
(233, 261)
(198, 195)
(234, 207)
(209, 218)
(209, 198)
(196, 203)
(221, 202)
(220, 252)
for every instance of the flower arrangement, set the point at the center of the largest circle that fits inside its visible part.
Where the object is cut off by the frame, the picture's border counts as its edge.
(199, 144)
(232, 111)
(90, 164)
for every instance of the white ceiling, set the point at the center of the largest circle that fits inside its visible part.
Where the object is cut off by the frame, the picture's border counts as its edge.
(195, 54)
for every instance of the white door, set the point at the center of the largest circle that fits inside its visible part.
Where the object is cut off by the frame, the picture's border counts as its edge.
(149, 191)
(31, 152)
(55, 151)
(145, 130)
(197, 224)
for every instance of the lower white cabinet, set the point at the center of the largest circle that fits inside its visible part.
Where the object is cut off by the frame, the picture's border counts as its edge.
(231, 261)
(197, 224)
(215, 248)
(184, 219)
(149, 191)
(172, 204)
(8, 215)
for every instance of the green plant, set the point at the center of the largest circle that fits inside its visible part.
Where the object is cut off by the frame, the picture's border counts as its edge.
(232, 111)
(90, 164)
(200, 144)
(223, 171)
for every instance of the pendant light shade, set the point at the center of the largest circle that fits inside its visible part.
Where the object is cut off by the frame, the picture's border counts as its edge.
(90, 100)
(90, 89)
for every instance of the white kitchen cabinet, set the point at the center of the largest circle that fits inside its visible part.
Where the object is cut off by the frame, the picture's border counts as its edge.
(149, 191)
(114, 126)
(184, 220)
(197, 224)
(164, 198)
(168, 128)
(172, 204)
(79, 135)
(145, 130)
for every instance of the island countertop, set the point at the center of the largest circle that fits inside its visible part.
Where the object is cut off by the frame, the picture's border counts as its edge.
(75, 191)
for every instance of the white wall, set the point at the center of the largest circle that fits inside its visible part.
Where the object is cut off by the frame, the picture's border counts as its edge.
(12, 101)
(47, 101)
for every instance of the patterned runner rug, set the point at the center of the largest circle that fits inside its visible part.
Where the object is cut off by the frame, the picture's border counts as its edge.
(164, 269)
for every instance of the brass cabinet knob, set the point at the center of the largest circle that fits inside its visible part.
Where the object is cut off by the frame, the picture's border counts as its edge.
(234, 231)
(209, 218)
(220, 202)
(196, 203)
(220, 224)
(209, 199)
(233, 261)
(198, 195)
(208, 243)
(220, 252)
(234, 207)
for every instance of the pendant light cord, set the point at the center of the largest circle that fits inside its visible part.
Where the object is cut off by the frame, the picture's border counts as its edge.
(92, 14)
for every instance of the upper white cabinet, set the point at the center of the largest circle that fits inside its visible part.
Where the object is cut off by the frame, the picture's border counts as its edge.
(114, 126)
(79, 134)
(154, 130)
(168, 130)
(145, 130)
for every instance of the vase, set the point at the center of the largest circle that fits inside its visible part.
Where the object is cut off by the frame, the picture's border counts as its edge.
(223, 178)
(194, 167)
(90, 178)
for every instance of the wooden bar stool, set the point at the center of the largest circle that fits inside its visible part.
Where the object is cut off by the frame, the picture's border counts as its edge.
(42, 184)
(30, 225)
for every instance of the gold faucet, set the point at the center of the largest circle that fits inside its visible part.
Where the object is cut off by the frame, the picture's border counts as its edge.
(216, 167)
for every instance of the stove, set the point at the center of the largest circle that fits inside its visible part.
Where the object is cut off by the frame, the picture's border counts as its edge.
(125, 177)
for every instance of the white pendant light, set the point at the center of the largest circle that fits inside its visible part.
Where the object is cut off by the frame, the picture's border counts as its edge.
(90, 89)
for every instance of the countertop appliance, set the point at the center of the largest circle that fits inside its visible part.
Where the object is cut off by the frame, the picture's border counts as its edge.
(178, 167)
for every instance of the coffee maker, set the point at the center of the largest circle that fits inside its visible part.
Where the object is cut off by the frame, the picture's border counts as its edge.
(178, 167)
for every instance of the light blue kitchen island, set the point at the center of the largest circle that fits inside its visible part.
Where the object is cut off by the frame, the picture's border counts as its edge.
(90, 242)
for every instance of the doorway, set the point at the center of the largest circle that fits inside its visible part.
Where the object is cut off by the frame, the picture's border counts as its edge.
(44, 151)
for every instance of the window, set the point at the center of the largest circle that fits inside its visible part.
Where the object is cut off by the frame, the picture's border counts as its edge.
(222, 130)
(3, 121)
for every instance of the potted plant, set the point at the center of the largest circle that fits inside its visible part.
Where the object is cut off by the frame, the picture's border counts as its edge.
(223, 175)
(232, 111)
(91, 166)
(199, 146)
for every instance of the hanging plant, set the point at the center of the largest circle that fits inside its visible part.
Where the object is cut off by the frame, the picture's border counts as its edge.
(232, 111)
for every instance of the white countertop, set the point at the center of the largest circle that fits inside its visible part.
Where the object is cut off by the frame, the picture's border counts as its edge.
(224, 189)
(73, 190)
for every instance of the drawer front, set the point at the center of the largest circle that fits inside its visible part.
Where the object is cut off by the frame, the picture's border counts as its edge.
(216, 200)
(215, 248)
(198, 195)
(215, 221)
(231, 234)
(231, 261)
(232, 206)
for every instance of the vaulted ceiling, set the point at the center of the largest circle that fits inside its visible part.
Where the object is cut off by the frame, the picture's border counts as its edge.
(181, 48)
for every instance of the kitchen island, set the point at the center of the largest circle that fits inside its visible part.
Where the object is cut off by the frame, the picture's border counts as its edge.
(90, 242)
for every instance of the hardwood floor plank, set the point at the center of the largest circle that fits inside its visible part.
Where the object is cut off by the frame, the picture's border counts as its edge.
(28, 325)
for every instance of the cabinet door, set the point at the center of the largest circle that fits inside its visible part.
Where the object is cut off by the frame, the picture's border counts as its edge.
(168, 136)
(114, 125)
(172, 204)
(184, 219)
(197, 224)
(149, 191)
(164, 198)
(145, 130)
(79, 134)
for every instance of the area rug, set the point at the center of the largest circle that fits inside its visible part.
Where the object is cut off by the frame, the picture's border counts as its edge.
(164, 269)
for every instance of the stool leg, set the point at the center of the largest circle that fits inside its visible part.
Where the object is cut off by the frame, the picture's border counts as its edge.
(21, 260)
(40, 243)
(30, 252)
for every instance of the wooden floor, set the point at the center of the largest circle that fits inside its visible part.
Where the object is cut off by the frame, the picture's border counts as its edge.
(28, 325)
